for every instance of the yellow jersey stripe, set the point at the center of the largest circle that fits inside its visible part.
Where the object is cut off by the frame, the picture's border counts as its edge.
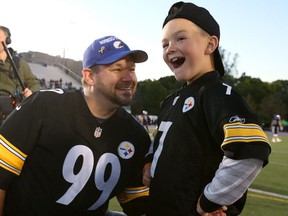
(238, 132)
(131, 193)
(11, 158)
(9, 168)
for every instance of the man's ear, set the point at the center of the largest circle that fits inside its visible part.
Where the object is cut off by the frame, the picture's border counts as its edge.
(211, 45)
(87, 76)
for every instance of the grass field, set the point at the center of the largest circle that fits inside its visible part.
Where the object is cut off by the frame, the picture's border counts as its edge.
(274, 179)
(268, 195)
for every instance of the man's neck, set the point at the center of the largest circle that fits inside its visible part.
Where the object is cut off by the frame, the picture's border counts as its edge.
(3, 55)
(100, 110)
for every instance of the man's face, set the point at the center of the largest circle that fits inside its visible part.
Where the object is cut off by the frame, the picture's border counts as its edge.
(2, 38)
(117, 82)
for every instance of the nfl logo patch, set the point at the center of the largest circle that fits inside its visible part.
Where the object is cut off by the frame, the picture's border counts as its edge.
(98, 132)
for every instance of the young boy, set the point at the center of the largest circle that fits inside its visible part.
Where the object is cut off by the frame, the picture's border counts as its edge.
(209, 146)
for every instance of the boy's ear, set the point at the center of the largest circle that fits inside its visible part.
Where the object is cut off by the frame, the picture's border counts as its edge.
(211, 45)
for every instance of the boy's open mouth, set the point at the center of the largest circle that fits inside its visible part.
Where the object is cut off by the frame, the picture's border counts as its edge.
(177, 61)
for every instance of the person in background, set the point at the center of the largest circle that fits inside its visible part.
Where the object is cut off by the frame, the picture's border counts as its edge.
(10, 87)
(9, 83)
(69, 153)
(276, 126)
(145, 120)
(209, 146)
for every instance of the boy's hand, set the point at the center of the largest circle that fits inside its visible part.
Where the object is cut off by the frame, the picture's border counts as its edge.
(146, 174)
(218, 212)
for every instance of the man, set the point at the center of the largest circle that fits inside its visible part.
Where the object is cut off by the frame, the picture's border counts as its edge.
(276, 126)
(209, 146)
(10, 86)
(70, 153)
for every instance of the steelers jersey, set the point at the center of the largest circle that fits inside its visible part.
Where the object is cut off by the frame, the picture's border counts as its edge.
(57, 159)
(197, 126)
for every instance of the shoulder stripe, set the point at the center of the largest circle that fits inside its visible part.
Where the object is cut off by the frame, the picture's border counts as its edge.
(239, 132)
(9, 168)
(131, 193)
(11, 158)
(136, 190)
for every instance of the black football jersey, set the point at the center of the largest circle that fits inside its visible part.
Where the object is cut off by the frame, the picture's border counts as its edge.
(197, 125)
(57, 159)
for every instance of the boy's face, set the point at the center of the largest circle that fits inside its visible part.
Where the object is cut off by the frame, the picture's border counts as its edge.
(185, 49)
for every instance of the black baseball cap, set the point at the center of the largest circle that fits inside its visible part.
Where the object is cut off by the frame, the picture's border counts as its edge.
(202, 18)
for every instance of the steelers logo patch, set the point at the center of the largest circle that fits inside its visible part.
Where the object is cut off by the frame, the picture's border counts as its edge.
(188, 104)
(126, 150)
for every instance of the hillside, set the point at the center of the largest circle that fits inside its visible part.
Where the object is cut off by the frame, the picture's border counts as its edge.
(52, 75)
(42, 58)
(54, 71)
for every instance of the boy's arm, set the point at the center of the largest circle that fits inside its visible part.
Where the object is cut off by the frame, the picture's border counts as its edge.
(230, 183)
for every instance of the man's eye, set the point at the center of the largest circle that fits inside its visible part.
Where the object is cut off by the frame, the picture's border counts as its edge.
(117, 69)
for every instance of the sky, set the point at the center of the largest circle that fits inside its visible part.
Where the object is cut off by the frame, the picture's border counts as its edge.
(255, 30)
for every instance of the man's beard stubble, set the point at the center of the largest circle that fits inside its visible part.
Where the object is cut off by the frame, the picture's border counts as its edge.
(122, 100)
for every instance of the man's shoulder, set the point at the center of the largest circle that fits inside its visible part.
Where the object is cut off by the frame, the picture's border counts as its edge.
(55, 96)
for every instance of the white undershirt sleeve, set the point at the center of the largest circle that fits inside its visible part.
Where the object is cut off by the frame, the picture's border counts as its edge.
(232, 179)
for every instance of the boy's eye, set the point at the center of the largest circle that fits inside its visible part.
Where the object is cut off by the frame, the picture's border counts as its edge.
(164, 46)
(180, 38)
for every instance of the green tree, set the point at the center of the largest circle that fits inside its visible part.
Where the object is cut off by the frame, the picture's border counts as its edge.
(170, 84)
(229, 61)
(277, 100)
(253, 90)
(148, 96)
